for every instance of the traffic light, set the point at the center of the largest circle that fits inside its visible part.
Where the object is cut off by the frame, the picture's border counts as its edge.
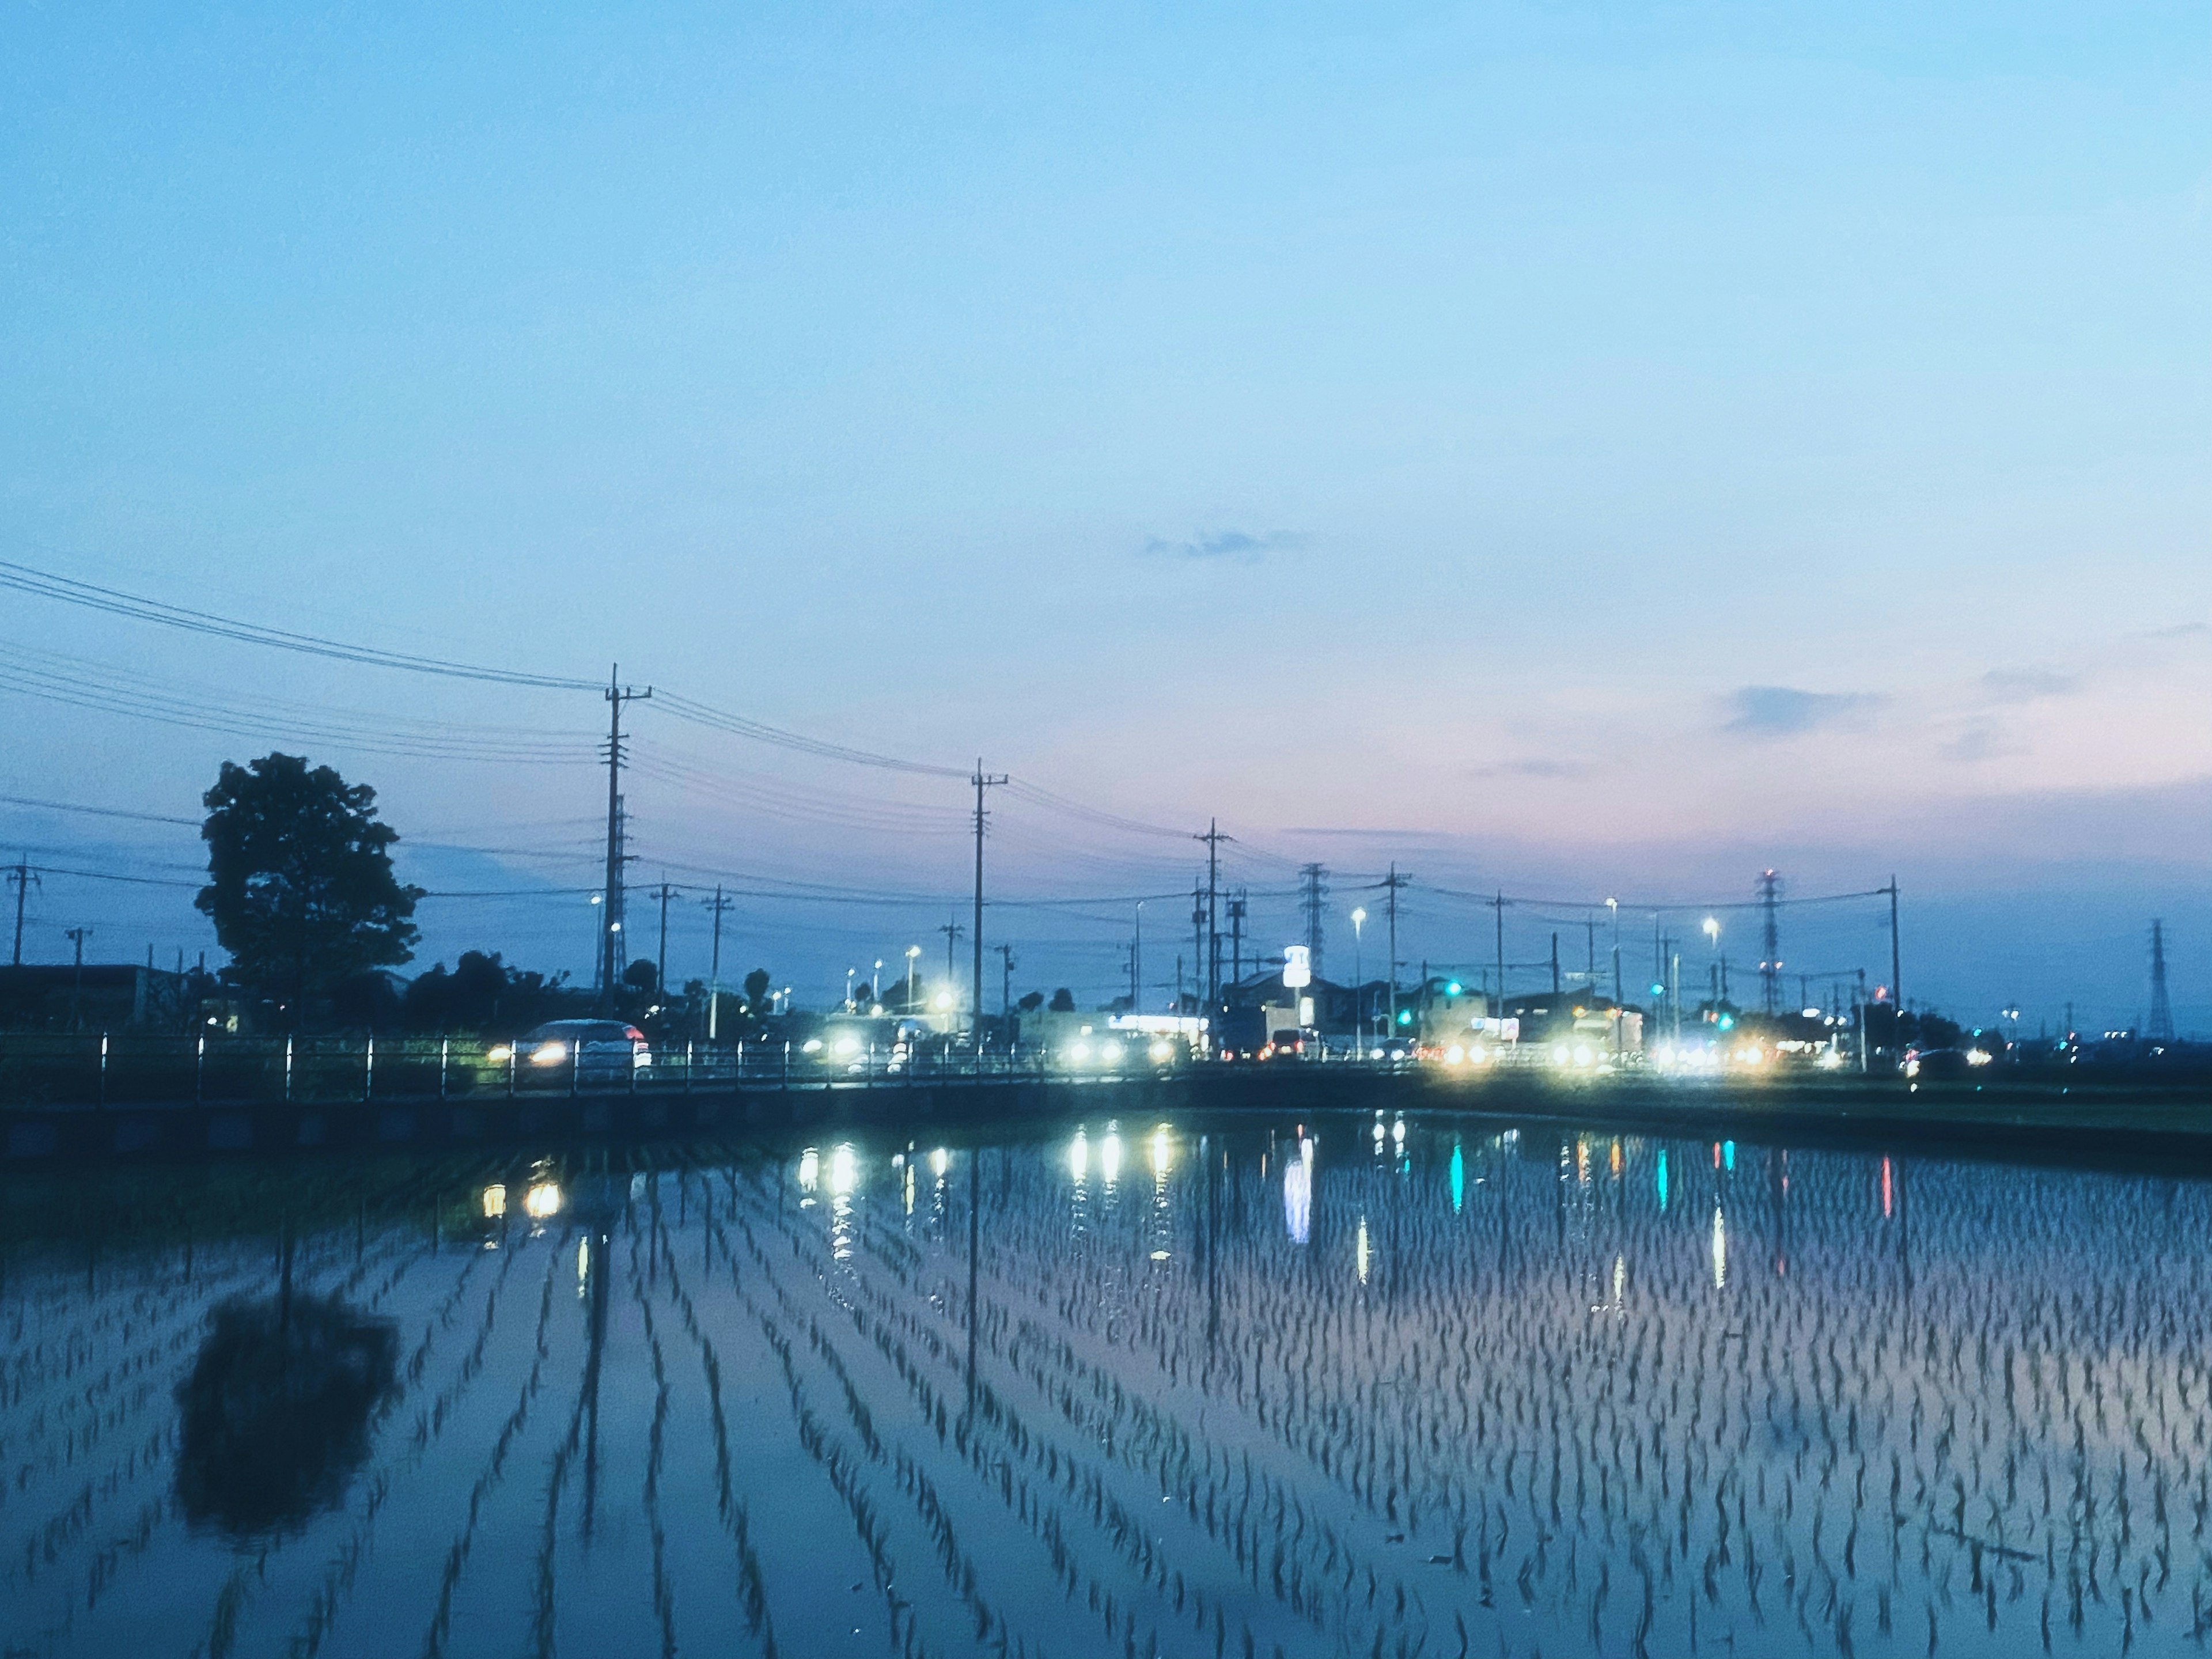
(1728, 1022)
(1454, 988)
(1658, 990)
(1405, 1017)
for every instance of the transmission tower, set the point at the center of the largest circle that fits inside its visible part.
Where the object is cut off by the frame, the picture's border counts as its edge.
(1770, 965)
(1315, 902)
(2159, 1027)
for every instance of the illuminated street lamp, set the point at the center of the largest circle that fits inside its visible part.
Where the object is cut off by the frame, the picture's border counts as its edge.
(912, 956)
(1359, 975)
(1619, 1025)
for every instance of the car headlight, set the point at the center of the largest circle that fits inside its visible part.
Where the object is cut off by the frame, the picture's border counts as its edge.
(500, 1053)
(549, 1054)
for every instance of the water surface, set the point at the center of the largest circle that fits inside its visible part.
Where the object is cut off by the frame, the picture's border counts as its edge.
(1348, 1387)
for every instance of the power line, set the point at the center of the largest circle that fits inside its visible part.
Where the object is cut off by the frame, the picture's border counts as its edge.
(26, 579)
(700, 714)
(97, 811)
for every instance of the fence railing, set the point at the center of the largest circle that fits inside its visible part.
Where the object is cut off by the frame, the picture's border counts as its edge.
(122, 1069)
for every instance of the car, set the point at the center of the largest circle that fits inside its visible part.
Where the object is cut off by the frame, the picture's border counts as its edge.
(1940, 1065)
(1285, 1045)
(588, 1050)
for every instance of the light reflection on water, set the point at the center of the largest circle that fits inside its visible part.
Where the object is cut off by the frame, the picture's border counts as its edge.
(1477, 1392)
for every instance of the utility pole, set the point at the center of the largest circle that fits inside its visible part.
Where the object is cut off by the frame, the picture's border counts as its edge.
(1210, 946)
(1198, 944)
(1555, 962)
(1896, 971)
(660, 964)
(1316, 897)
(1137, 963)
(2159, 1027)
(23, 876)
(1391, 885)
(718, 905)
(953, 932)
(1005, 980)
(1499, 902)
(1613, 905)
(77, 991)
(983, 780)
(1770, 966)
(1237, 908)
(610, 938)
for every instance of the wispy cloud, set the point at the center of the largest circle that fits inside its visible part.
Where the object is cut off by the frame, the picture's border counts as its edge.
(1774, 711)
(2026, 684)
(1978, 743)
(1238, 546)
(1534, 768)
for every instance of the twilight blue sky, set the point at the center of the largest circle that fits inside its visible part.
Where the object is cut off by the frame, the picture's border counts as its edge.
(1591, 449)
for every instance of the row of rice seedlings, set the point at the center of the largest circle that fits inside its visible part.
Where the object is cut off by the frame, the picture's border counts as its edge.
(250, 1578)
(150, 1459)
(1786, 1503)
(664, 1597)
(1118, 1526)
(315, 1623)
(730, 1508)
(1387, 1455)
(490, 1478)
(987, 1628)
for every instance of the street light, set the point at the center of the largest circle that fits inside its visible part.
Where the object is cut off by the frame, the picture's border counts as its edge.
(912, 956)
(1620, 1027)
(1359, 975)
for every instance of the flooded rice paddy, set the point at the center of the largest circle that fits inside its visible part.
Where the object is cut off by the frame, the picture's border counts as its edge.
(1343, 1387)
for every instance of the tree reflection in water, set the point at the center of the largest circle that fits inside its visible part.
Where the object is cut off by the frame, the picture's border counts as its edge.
(277, 1410)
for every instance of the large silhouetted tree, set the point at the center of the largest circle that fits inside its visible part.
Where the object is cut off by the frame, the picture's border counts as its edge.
(299, 881)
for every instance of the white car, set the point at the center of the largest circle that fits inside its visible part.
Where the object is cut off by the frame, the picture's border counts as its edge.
(599, 1050)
